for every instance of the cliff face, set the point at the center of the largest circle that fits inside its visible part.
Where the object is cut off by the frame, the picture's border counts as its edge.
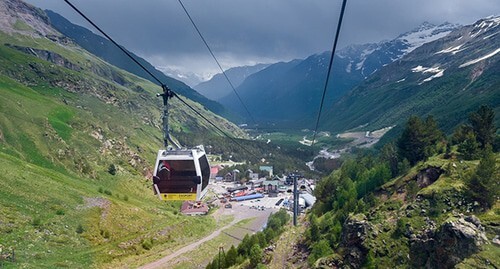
(448, 245)
(22, 18)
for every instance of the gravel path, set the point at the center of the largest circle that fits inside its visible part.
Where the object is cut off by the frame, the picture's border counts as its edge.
(159, 263)
(239, 212)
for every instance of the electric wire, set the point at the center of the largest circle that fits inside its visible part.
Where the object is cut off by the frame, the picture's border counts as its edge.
(153, 76)
(113, 41)
(217, 61)
(220, 130)
(339, 24)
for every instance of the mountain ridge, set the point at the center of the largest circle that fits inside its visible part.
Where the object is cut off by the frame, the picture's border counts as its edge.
(218, 87)
(304, 81)
(433, 79)
(107, 51)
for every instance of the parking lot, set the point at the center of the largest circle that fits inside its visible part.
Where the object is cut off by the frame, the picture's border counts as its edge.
(220, 188)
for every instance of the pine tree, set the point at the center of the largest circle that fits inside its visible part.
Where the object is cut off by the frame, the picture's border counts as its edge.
(483, 184)
(483, 123)
(469, 147)
(255, 255)
(314, 228)
(410, 144)
(389, 154)
(231, 256)
(419, 139)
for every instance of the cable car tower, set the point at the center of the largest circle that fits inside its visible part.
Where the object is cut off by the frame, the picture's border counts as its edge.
(180, 173)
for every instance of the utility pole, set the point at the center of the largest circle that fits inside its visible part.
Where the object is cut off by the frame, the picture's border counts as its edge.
(295, 198)
(167, 94)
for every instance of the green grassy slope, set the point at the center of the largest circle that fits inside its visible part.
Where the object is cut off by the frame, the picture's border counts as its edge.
(442, 201)
(61, 127)
(402, 209)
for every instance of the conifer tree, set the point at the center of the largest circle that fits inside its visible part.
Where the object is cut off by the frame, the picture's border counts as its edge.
(231, 256)
(255, 255)
(483, 123)
(419, 139)
(483, 183)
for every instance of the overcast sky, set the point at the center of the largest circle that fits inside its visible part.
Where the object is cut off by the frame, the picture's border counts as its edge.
(253, 31)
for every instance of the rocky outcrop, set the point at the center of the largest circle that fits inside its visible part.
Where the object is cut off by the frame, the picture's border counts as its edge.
(22, 18)
(48, 56)
(354, 234)
(448, 245)
(427, 176)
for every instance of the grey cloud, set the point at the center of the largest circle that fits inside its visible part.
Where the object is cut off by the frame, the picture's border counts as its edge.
(240, 31)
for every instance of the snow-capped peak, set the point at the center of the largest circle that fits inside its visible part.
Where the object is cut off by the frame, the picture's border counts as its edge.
(490, 21)
(425, 33)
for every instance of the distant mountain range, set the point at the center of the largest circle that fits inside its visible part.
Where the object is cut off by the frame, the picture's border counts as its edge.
(288, 94)
(448, 78)
(107, 51)
(218, 86)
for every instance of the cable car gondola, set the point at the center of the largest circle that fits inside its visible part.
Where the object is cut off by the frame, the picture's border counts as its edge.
(181, 174)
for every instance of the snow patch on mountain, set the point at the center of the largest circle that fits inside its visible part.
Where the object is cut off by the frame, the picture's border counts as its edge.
(426, 69)
(363, 56)
(437, 75)
(484, 25)
(436, 70)
(425, 33)
(348, 67)
(452, 50)
(367, 58)
(480, 58)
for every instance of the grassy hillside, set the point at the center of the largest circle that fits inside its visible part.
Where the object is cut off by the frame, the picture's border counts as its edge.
(404, 222)
(67, 120)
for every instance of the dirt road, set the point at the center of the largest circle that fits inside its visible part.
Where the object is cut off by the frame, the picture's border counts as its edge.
(239, 212)
(159, 263)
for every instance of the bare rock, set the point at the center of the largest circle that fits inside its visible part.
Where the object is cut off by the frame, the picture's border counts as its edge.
(428, 176)
(448, 245)
(496, 240)
(354, 234)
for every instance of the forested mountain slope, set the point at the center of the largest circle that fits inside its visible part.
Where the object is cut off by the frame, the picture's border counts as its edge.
(447, 78)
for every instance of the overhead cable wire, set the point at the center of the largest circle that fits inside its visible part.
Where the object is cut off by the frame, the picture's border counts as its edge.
(220, 130)
(153, 76)
(217, 61)
(339, 24)
(113, 41)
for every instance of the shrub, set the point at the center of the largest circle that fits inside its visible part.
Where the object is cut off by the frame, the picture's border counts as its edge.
(319, 249)
(147, 243)
(79, 229)
(60, 212)
(105, 234)
(112, 169)
(37, 222)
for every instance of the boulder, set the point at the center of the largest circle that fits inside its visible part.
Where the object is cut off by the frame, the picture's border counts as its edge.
(444, 247)
(427, 176)
(354, 234)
